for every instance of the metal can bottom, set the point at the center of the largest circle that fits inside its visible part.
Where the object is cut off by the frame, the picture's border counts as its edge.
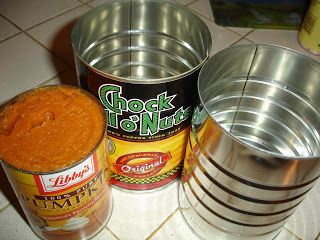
(203, 230)
(143, 184)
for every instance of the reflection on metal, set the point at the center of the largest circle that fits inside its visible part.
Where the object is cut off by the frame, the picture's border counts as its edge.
(254, 147)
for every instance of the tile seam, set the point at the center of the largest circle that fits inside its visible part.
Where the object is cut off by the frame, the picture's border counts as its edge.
(112, 233)
(49, 50)
(161, 225)
(7, 38)
(191, 2)
(53, 77)
(5, 207)
(37, 24)
(53, 17)
(292, 233)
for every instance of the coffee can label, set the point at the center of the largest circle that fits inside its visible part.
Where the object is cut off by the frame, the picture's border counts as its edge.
(148, 127)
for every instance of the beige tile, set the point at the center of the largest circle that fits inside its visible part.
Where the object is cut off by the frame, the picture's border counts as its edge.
(286, 38)
(24, 64)
(185, 2)
(96, 3)
(27, 14)
(203, 7)
(240, 30)
(6, 192)
(176, 229)
(7, 29)
(68, 77)
(285, 234)
(55, 34)
(242, 41)
(137, 214)
(105, 235)
(13, 226)
(305, 222)
(221, 37)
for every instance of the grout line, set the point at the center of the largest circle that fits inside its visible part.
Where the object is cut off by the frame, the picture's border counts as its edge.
(88, 4)
(38, 42)
(53, 77)
(161, 225)
(191, 2)
(243, 37)
(5, 207)
(51, 18)
(3, 40)
(37, 24)
(53, 53)
(9, 20)
(292, 233)
(112, 233)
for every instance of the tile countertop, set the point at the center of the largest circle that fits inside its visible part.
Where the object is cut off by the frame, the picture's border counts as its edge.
(35, 50)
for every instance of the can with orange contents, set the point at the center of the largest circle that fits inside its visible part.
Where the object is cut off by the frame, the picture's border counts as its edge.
(54, 153)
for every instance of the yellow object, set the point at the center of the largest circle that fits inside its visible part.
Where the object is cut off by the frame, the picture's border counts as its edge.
(309, 35)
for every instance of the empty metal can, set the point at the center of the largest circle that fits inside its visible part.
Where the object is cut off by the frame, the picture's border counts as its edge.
(142, 60)
(254, 147)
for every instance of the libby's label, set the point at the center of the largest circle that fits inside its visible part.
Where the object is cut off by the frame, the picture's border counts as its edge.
(54, 183)
(70, 204)
(143, 117)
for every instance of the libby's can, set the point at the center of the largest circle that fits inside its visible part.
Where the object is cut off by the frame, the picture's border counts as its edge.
(309, 34)
(143, 66)
(54, 153)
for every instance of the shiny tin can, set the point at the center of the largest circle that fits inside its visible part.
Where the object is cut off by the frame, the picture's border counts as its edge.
(142, 59)
(254, 148)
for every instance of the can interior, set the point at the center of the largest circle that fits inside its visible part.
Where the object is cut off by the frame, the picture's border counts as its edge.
(266, 97)
(142, 40)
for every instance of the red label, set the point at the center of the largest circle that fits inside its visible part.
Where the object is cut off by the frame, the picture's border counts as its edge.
(154, 162)
(61, 181)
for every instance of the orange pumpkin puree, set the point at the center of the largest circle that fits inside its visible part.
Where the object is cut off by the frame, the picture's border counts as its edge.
(50, 128)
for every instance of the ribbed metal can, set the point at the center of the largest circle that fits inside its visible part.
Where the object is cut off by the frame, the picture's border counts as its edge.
(254, 148)
(142, 59)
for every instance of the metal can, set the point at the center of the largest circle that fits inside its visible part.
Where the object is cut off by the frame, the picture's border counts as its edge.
(253, 152)
(309, 34)
(72, 202)
(142, 59)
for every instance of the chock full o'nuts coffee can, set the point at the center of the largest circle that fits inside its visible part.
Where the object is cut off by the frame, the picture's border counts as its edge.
(142, 59)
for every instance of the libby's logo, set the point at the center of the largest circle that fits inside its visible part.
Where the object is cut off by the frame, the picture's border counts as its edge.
(56, 182)
(154, 162)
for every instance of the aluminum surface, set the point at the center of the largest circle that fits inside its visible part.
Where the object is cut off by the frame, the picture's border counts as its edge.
(141, 41)
(254, 147)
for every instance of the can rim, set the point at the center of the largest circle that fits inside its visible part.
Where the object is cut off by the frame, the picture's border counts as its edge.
(272, 154)
(153, 80)
(103, 134)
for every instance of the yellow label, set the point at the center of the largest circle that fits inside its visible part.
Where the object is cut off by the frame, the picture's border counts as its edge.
(309, 35)
(146, 165)
(72, 203)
